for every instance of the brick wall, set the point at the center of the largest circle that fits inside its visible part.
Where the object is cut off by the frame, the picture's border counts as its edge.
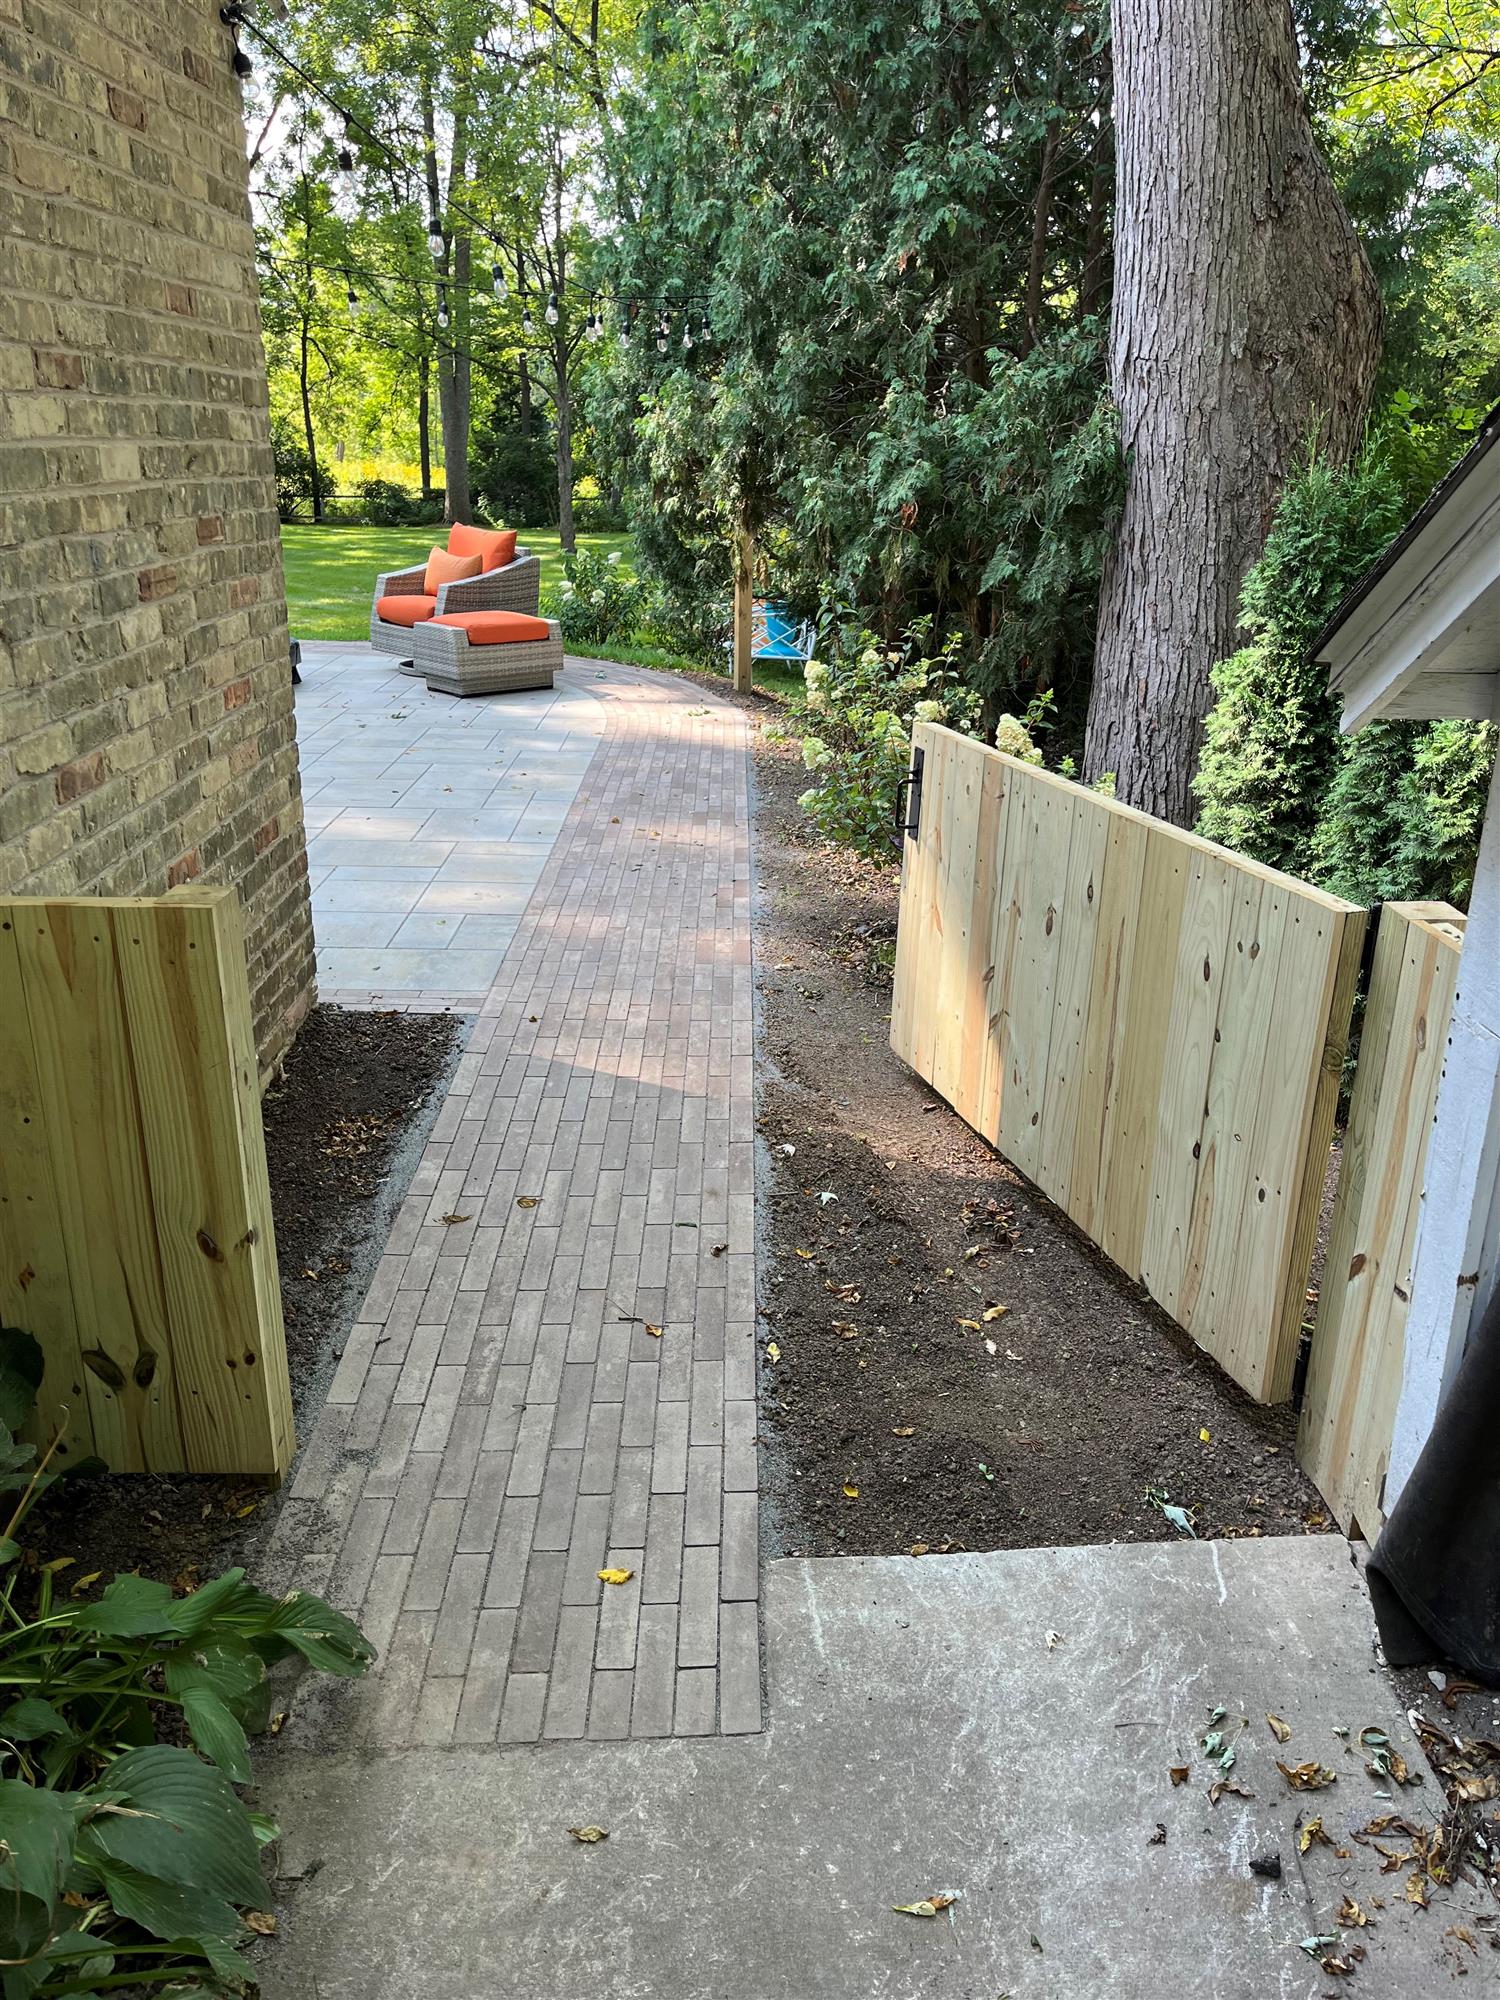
(146, 731)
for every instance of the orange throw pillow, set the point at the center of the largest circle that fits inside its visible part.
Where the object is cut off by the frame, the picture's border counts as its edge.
(445, 567)
(495, 547)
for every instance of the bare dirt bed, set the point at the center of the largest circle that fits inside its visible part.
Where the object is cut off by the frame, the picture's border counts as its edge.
(947, 1362)
(344, 1126)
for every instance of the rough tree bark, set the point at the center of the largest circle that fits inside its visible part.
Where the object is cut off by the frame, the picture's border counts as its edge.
(1246, 323)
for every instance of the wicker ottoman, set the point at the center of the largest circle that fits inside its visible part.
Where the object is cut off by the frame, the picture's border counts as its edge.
(487, 652)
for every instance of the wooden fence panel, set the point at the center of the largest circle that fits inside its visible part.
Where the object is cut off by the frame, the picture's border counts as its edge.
(1354, 1375)
(1162, 1040)
(135, 1218)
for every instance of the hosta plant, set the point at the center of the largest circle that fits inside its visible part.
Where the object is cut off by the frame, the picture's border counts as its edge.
(127, 1862)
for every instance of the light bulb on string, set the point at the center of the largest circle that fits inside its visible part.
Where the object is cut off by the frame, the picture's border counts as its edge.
(687, 337)
(442, 310)
(497, 281)
(551, 313)
(346, 170)
(705, 331)
(435, 237)
(526, 326)
(355, 308)
(663, 334)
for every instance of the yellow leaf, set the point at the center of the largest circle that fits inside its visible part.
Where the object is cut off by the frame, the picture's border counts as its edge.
(1311, 1831)
(262, 1922)
(1351, 1916)
(1307, 1777)
(615, 1575)
(851, 1492)
(654, 1331)
(241, 1512)
(1203, 1437)
(773, 1352)
(805, 1255)
(906, 1431)
(451, 1219)
(972, 1324)
(57, 1563)
(920, 1548)
(929, 1906)
(995, 1312)
(1416, 1890)
(527, 1200)
(81, 1583)
(1282, 1731)
(589, 1836)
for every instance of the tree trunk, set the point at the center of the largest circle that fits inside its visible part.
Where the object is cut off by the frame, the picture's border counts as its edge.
(454, 398)
(307, 420)
(1245, 327)
(562, 430)
(523, 370)
(424, 422)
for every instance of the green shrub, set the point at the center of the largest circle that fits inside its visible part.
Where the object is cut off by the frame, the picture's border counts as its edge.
(385, 504)
(857, 711)
(1271, 740)
(294, 471)
(597, 599)
(125, 1861)
(1404, 812)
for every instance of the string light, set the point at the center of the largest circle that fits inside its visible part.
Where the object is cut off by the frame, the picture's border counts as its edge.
(595, 325)
(551, 313)
(442, 311)
(435, 237)
(497, 282)
(526, 327)
(687, 337)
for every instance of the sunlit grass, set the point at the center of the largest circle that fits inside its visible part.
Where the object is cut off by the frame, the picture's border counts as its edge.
(331, 572)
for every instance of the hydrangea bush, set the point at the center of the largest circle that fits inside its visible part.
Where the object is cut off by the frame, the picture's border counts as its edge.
(597, 600)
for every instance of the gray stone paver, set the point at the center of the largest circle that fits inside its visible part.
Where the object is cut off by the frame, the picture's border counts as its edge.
(502, 1424)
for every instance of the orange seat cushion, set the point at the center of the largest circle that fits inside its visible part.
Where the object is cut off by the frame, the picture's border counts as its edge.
(404, 610)
(495, 547)
(444, 567)
(494, 628)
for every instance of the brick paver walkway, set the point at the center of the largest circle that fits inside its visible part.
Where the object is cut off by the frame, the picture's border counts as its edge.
(554, 1370)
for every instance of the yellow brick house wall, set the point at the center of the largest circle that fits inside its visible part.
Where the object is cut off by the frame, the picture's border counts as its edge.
(146, 727)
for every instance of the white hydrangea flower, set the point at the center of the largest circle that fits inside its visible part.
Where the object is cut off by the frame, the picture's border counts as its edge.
(613, 557)
(1011, 736)
(815, 753)
(929, 711)
(565, 588)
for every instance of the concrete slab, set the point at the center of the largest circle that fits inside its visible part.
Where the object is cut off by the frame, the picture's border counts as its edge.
(922, 1737)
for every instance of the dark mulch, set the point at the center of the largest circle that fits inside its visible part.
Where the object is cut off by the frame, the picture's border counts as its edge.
(345, 1125)
(1091, 1394)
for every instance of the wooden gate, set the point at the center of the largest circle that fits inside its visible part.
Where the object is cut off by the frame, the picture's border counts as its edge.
(135, 1218)
(1354, 1375)
(1150, 1027)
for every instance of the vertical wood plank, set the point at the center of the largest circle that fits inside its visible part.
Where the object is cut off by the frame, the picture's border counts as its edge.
(87, 1091)
(36, 1292)
(1354, 1374)
(1036, 874)
(977, 1096)
(1104, 1043)
(1067, 1073)
(207, 1181)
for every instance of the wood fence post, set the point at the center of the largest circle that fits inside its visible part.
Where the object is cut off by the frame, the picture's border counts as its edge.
(744, 592)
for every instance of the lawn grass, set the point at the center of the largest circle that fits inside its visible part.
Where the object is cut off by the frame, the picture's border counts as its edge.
(330, 576)
(331, 572)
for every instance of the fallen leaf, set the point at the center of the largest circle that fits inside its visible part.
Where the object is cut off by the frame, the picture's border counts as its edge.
(805, 1255)
(921, 1548)
(1054, 1640)
(1203, 1437)
(718, 1250)
(262, 1922)
(972, 1324)
(1282, 1731)
(1316, 1946)
(905, 1431)
(654, 1331)
(451, 1219)
(1159, 1838)
(1310, 1777)
(1220, 1786)
(773, 1352)
(527, 1200)
(851, 1492)
(1312, 1830)
(994, 1313)
(1350, 1915)
(929, 1906)
(589, 1836)
(615, 1575)
(1179, 1773)
(57, 1564)
(1416, 1889)
(81, 1583)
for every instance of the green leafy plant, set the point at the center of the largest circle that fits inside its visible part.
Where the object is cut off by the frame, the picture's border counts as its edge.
(125, 1861)
(597, 599)
(859, 703)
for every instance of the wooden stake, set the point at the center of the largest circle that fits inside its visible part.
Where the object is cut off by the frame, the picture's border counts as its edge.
(744, 589)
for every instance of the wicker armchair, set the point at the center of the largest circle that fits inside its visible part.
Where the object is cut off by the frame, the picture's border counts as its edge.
(516, 587)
